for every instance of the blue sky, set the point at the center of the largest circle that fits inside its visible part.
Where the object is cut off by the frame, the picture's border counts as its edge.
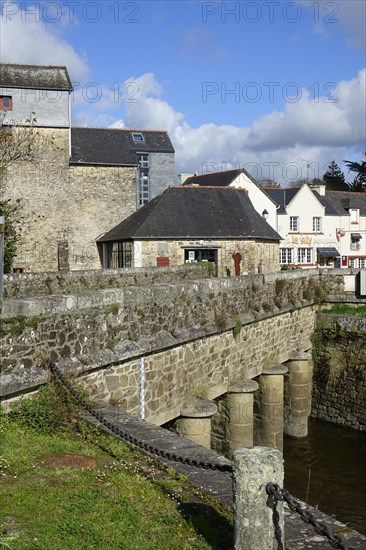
(274, 86)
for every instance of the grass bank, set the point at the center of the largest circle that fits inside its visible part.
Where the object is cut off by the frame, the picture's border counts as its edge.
(345, 309)
(66, 486)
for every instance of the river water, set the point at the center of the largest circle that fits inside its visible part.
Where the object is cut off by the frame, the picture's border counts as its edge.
(327, 469)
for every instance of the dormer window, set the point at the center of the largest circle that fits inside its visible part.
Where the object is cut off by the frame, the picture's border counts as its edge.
(137, 136)
(353, 212)
(6, 103)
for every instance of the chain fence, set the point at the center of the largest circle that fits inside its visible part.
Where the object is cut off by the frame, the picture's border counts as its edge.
(132, 439)
(275, 493)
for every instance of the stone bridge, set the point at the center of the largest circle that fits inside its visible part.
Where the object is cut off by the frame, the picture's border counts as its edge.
(226, 360)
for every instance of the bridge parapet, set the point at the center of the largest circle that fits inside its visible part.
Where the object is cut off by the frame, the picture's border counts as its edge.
(211, 331)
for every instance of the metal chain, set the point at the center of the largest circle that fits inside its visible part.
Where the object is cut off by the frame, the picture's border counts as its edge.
(130, 438)
(278, 494)
(272, 503)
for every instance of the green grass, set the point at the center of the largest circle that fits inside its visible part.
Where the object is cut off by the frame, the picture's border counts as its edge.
(345, 309)
(120, 500)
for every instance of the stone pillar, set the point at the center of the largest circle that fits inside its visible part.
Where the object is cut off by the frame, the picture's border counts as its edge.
(296, 417)
(253, 469)
(272, 421)
(239, 427)
(195, 422)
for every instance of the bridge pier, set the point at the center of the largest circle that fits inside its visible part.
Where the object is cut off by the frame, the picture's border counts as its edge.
(239, 427)
(272, 407)
(195, 422)
(297, 411)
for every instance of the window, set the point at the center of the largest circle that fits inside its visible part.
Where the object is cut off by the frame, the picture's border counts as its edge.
(144, 182)
(6, 103)
(121, 255)
(353, 212)
(362, 262)
(317, 224)
(304, 255)
(294, 223)
(286, 256)
(355, 241)
(138, 137)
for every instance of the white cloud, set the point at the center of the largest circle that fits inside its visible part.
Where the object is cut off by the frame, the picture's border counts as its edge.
(25, 38)
(299, 141)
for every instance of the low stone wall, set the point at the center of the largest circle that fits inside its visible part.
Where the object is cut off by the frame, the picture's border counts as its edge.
(27, 285)
(96, 330)
(339, 383)
(63, 326)
(204, 367)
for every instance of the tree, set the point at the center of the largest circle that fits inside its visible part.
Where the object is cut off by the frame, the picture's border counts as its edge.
(359, 182)
(19, 144)
(267, 182)
(334, 178)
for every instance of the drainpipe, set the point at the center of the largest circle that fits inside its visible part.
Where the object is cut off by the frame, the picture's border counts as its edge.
(142, 387)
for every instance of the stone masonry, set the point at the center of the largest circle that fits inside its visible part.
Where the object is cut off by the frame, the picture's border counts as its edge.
(339, 381)
(257, 257)
(242, 324)
(65, 208)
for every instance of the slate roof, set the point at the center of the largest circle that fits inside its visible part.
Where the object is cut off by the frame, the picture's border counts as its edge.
(115, 147)
(44, 77)
(283, 196)
(195, 212)
(213, 179)
(342, 200)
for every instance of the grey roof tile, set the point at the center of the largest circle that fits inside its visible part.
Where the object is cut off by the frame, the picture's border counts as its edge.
(342, 200)
(195, 212)
(111, 146)
(45, 77)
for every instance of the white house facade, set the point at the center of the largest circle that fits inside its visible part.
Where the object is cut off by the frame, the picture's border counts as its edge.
(319, 228)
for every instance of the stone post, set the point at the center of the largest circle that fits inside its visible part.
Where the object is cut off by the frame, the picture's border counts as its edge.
(253, 469)
(239, 403)
(296, 417)
(271, 383)
(195, 422)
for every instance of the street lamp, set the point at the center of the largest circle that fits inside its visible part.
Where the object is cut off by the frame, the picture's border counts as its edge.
(265, 214)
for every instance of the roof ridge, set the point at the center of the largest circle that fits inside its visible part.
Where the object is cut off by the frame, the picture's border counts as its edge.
(31, 64)
(119, 129)
(218, 172)
(208, 187)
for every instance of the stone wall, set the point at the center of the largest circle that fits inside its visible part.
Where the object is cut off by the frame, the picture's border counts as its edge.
(27, 285)
(65, 208)
(204, 367)
(257, 257)
(253, 320)
(339, 383)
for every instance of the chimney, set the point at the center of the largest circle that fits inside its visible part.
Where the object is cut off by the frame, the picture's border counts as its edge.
(320, 189)
(183, 177)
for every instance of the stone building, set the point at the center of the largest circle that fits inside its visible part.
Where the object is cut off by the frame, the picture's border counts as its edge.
(85, 179)
(319, 228)
(189, 224)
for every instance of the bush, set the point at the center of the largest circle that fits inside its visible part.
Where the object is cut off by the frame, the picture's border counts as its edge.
(51, 408)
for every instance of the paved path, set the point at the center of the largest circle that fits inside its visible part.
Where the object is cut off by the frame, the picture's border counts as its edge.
(298, 535)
